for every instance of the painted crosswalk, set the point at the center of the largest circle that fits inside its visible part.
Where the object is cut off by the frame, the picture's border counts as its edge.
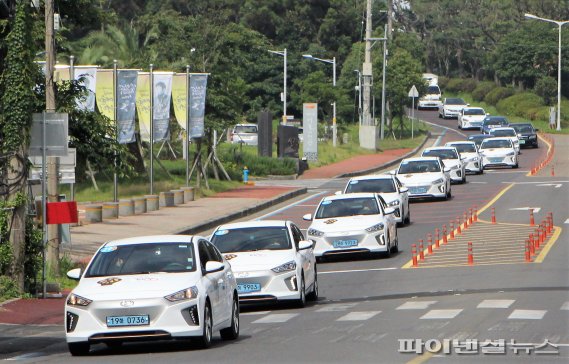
(527, 314)
(495, 304)
(441, 314)
(359, 316)
(275, 318)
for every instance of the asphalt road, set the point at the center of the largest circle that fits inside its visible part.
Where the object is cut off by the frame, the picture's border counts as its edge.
(380, 310)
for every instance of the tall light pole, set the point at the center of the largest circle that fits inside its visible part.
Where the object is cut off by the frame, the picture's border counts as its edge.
(283, 53)
(333, 62)
(359, 96)
(559, 24)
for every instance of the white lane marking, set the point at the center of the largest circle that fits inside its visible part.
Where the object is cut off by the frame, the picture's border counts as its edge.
(278, 211)
(275, 318)
(336, 307)
(358, 316)
(25, 356)
(506, 171)
(565, 306)
(495, 303)
(533, 183)
(535, 209)
(441, 314)
(357, 270)
(416, 305)
(554, 185)
(444, 127)
(567, 221)
(306, 205)
(478, 182)
(255, 313)
(527, 314)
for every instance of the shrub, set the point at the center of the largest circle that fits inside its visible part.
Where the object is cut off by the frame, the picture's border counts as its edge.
(498, 94)
(468, 85)
(482, 90)
(519, 104)
(8, 288)
(443, 82)
(546, 87)
(454, 84)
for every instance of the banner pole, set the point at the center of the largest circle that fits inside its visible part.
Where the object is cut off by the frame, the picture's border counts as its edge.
(151, 130)
(187, 125)
(115, 176)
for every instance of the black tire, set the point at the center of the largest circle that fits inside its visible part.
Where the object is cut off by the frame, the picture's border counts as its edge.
(313, 295)
(515, 166)
(79, 349)
(448, 195)
(387, 253)
(463, 178)
(232, 332)
(396, 246)
(407, 219)
(114, 344)
(204, 341)
(301, 302)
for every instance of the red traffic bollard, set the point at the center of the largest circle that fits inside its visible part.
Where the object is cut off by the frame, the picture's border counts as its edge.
(414, 253)
(470, 216)
(527, 253)
(458, 224)
(437, 238)
(470, 254)
(552, 171)
(445, 239)
(465, 218)
(429, 243)
(475, 213)
(451, 230)
(421, 250)
(493, 216)
(531, 218)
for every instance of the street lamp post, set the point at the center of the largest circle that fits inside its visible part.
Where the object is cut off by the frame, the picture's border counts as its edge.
(333, 62)
(559, 24)
(359, 96)
(283, 53)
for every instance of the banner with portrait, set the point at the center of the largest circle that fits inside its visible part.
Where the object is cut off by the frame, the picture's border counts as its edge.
(143, 105)
(180, 98)
(105, 93)
(198, 85)
(162, 94)
(88, 77)
(126, 101)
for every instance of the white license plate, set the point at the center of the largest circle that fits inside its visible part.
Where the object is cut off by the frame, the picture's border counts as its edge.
(344, 243)
(417, 190)
(248, 287)
(522, 141)
(133, 320)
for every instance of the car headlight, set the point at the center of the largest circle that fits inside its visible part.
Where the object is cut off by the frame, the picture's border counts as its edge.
(511, 154)
(185, 294)
(533, 136)
(76, 300)
(315, 232)
(437, 181)
(376, 227)
(285, 267)
(393, 203)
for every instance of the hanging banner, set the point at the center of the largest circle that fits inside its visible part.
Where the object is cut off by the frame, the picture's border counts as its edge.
(88, 75)
(61, 73)
(126, 100)
(143, 105)
(180, 98)
(105, 93)
(162, 92)
(198, 85)
(310, 131)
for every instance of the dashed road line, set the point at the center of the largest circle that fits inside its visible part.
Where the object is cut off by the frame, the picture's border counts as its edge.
(278, 211)
(527, 314)
(356, 270)
(359, 316)
(441, 314)
(495, 304)
(275, 318)
(416, 305)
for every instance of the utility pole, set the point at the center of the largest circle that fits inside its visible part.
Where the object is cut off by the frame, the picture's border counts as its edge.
(367, 70)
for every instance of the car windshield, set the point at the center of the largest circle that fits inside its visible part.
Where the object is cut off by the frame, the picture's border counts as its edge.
(473, 111)
(245, 129)
(347, 207)
(503, 133)
(523, 128)
(441, 153)
(465, 148)
(502, 143)
(419, 167)
(375, 185)
(143, 259)
(495, 122)
(247, 239)
(433, 90)
(455, 102)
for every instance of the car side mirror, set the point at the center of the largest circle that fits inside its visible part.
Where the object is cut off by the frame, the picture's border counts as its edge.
(338, 193)
(393, 172)
(213, 266)
(536, 129)
(305, 244)
(307, 217)
(389, 210)
(74, 274)
(403, 189)
(467, 104)
(446, 169)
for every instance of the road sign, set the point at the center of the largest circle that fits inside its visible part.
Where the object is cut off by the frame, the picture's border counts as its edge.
(413, 92)
(56, 125)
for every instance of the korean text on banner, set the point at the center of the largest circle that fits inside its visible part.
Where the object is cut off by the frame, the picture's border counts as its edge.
(161, 106)
(88, 77)
(143, 105)
(180, 98)
(126, 99)
(310, 131)
(105, 93)
(198, 85)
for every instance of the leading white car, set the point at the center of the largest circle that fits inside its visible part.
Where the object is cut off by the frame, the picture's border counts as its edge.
(425, 177)
(471, 118)
(152, 288)
(507, 132)
(451, 107)
(451, 159)
(389, 188)
(497, 152)
(271, 260)
(352, 223)
(431, 99)
(469, 154)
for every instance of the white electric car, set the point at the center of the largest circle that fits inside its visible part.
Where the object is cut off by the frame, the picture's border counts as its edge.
(353, 223)
(425, 177)
(498, 152)
(507, 132)
(451, 107)
(152, 288)
(451, 159)
(471, 118)
(270, 259)
(469, 155)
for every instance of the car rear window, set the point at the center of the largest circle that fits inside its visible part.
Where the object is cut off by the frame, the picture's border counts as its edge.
(245, 129)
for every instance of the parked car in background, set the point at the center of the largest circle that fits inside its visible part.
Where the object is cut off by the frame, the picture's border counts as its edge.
(425, 177)
(527, 134)
(245, 134)
(469, 154)
(507, 132)
(471, 118)
(491, 122)
(477, 138)
(498, 152)
(451, 159)
(451, 107)
(431, 99)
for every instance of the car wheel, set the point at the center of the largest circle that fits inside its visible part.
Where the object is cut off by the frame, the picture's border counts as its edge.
(407, 220)
(232, 332)
(396, 246)
(515, 166)
(387, 253)
(313, 296)
(301, 302)
(449, 194)
(459, 126)
(463, 178)
(79, 349)
(204, 341)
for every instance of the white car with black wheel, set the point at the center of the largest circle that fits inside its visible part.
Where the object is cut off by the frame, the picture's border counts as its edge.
(451, 159)
(451, 107)
(425, 177)
(352, 223)
(152, 288)
(498, 152)
(507, 132)
(469, 155)
(471, 118)
(389, 188)
(270, 259)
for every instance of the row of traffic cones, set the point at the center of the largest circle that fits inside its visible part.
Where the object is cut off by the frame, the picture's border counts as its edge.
(539, 236)
(540, 165)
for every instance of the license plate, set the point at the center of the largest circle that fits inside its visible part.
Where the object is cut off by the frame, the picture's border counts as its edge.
(495, 160)
(417, 190)
(138, 320)
(344, 243)
(522, 141)
(248, 287)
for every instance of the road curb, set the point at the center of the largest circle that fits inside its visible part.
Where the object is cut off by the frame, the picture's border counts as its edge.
(9, 301)
(387, 164)
(192, 229)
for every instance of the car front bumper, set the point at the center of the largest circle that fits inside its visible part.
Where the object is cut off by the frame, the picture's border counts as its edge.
(273, 286)
(473, 166)
(499, 161)
(427, 190)
(351, 242)
(429, 104)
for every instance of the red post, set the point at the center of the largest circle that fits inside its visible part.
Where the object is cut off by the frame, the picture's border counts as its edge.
(493, 216)
(421, 250)
(527, 253)
(536, 238)
(445, 239)
(531, 243)
(437, 238)
(531, 218)
(470, 254)
(458, 223)
(552, 171)
(414, 253)
(451, 230)
(542, 235)
(465, 221)
(470, 220)
(430, 243)
(475, 213)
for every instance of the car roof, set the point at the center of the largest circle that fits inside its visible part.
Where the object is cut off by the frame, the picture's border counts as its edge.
(474, 136)
(498, 138)
(440, 148)
(372, 176)
(346, 196)
(150, 239)
(473, 108)
(521, 124)
(420, 159)
(254, 223)
(462, 142)
(495, 117)
(502, 128)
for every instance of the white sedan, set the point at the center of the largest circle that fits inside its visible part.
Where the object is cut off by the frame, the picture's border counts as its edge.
(451, 107)
(497, 152)
(469, 155)
(425, 177)
(507, 132)
(152, 288)
(389, 188)
(271, 260)
(451, 159)
(471, 118)
(352, 223)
